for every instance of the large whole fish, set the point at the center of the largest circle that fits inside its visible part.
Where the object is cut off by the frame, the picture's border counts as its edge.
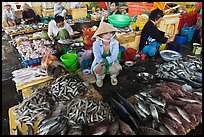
(174, 116)
(125, 128)
(113, 128)
(123, 113)
(154, 112)
(130, 108)
(183, 114)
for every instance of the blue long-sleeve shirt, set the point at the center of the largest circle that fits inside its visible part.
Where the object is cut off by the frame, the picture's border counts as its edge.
(58, 9)
(98, 52)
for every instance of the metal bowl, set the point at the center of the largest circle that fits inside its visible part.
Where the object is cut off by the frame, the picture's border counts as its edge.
(86, 71)
(129, 63)
(145, 77)
(169, 55)
(66, 41)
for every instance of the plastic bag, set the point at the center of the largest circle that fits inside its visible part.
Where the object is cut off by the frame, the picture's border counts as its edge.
(48, 59)
(188, 31)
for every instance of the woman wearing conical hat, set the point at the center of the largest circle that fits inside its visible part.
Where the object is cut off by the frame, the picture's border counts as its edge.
(105, 50)
(8, 15)
(28, 15)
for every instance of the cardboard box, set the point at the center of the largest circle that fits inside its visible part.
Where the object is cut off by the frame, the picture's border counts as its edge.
(79, 13)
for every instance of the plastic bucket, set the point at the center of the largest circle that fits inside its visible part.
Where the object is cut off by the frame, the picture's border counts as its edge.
(129, 54)
(70, 61)
(188, 32)
(180, 39)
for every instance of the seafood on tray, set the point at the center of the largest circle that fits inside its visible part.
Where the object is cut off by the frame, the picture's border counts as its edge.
(30, 49)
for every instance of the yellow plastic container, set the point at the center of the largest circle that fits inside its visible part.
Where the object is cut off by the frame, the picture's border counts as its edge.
(162, 47)
(79, 13)
(133, 24)
(23, 129)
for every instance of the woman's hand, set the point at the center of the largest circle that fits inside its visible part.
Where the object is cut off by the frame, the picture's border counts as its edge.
(99, 68)
(170, 39)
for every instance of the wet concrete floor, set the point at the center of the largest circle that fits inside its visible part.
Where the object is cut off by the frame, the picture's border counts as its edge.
(127, 86)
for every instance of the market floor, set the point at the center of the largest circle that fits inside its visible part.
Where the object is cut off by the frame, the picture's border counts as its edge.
(127, 86)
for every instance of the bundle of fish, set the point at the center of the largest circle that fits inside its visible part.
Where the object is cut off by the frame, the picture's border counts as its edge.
(67, 87)
(34, 106)
(84, 110)
(149, 107)
(125, 110)
(183, 109)
(186, 70)
(70, 114)
(24, 75)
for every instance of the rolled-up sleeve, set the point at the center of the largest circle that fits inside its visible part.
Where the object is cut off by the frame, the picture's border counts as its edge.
(50, 26)
(114, 52)
(68, 28)
(97, 52)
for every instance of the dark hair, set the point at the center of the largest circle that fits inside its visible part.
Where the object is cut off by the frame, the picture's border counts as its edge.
(59, 19)
(156, 14)
(116, 3)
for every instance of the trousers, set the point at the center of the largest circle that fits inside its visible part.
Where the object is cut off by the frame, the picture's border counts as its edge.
(151, 49)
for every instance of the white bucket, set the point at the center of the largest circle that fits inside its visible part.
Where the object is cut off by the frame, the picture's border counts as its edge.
(197, 48)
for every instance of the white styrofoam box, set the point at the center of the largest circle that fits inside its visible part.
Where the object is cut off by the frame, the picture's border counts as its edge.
(73, 4)
(36, 3)
(48, 5)
(66, 5)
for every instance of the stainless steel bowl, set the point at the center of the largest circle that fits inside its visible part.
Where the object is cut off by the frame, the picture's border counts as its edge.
(145, 77)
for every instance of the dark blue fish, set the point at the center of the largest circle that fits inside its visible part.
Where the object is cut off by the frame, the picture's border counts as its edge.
(129, 107)
(30, 130)
(123, 113)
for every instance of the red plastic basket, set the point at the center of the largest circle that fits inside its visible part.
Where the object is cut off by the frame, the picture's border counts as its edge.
(137, 8)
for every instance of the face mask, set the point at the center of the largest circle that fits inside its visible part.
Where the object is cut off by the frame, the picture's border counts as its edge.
(107, 40)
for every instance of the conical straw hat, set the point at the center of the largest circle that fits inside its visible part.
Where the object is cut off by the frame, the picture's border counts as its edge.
(7, 4)
(104, 28)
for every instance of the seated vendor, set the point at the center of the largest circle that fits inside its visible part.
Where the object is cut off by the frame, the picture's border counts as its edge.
(114, 8)
(59, 9)
(58, 29)
(151, 37)
(105, 50)
(8, 16)
(29, 16)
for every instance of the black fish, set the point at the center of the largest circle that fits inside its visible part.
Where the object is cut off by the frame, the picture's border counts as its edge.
(17, 131)
(30, 130)
(172, 80)
(189, 82)
(123, 113)
(197, 79)
(129, 107)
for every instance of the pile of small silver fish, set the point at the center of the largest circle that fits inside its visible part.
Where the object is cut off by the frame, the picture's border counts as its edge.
(171, 109)
(70, 114)
(83, 110)
(147, 105)
(183, 108)
(67, 87)
(36, 105)
(188, 69)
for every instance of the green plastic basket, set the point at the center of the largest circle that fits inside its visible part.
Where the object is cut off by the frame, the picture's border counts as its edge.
(119, 20)
(70, 61)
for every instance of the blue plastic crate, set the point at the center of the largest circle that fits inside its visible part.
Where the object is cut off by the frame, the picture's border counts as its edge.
(34, 61)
